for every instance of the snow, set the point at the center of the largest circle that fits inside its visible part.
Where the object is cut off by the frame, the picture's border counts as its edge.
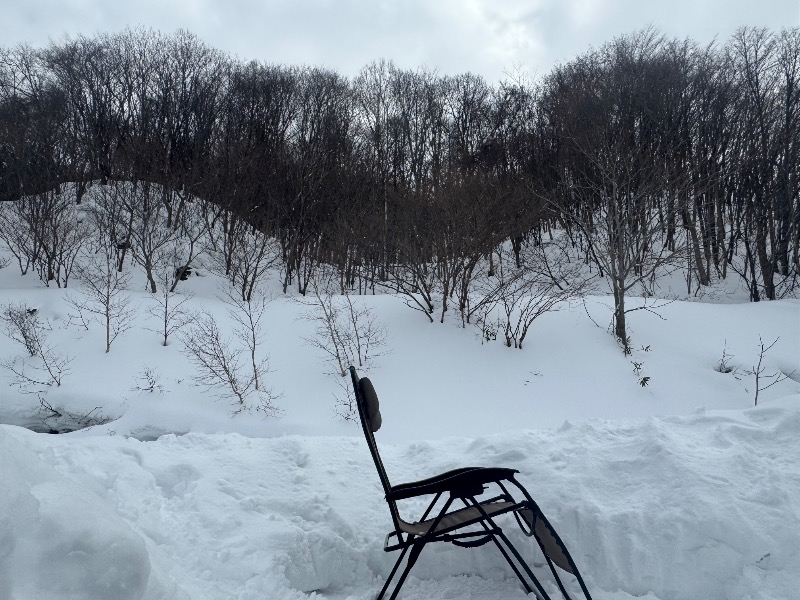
(681, 489)
(701, 506)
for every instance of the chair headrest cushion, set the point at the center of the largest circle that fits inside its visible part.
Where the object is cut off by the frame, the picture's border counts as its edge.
(371, 406)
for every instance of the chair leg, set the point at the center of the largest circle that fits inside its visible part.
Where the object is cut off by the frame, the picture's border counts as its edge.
(503, 551)
(392, 574)
(416, 549)
(496, 532)
(493, 533)
(555, 576)
(518, 556)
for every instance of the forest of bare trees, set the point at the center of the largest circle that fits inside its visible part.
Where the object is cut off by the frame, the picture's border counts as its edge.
(646, 151)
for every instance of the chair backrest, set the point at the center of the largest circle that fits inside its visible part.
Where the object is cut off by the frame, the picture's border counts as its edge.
(369, 412)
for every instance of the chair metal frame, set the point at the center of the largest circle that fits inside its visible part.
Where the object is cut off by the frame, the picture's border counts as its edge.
(445, 523)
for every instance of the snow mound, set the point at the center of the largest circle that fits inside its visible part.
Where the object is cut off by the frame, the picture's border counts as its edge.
(60, 541)
(704, 506)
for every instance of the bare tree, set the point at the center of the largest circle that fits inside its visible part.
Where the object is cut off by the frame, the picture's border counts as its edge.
(16, 236)
(44, 366)
(151, 237)
(546, 280)
(170, 309)
(136, 218)
(759, 371)
(413, 275)
(66, 232)
(415, 280)
(247, 256)
(192, 240)
(484, 296)
(764, 156)
(22, 325)
(615, 175)
(314, 173)
(248, 315)
(45, 231)
(104, 294)
(346, 331)
(626, 241)
(218, 360)
(375, 106)
(148, 381)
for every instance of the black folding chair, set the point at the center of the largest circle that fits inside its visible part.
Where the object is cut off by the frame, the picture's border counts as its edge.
(461, 518)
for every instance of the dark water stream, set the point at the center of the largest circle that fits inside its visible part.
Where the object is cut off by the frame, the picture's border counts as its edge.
(51, 423)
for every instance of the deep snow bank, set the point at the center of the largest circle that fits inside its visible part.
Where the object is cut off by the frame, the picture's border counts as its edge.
(699, 507)
(58, 539)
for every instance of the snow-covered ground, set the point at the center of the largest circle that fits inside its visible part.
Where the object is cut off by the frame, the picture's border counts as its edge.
(680, 489)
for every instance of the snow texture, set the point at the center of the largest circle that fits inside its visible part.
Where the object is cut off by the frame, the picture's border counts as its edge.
(702, 506)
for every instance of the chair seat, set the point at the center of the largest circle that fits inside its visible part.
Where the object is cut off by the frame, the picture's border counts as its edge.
(456, 519)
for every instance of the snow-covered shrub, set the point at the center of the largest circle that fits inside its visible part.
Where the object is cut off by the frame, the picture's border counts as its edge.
(220, 361)
(44, 366)
(347, 332)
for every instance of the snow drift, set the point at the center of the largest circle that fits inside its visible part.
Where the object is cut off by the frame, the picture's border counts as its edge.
(703, 506)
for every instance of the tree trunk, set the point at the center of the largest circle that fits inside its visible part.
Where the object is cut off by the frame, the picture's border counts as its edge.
(767, 270)
(619, 316)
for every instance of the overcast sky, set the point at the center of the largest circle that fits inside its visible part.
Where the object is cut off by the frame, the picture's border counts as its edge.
(489, 37)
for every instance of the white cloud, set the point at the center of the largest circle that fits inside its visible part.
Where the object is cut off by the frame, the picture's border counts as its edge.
(482, 36)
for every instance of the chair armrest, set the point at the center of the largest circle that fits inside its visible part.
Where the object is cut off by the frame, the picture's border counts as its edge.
(468, 478)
